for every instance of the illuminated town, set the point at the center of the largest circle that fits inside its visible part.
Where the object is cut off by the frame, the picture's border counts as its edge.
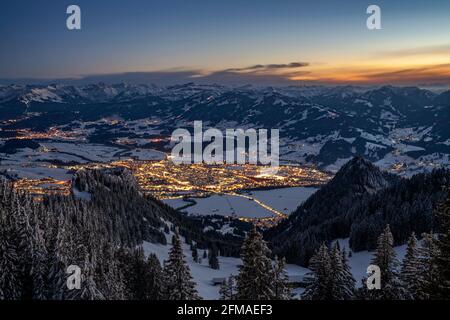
(43, 186)
(166, 180)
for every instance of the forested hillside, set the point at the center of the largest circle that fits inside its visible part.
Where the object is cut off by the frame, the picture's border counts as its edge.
(358, 203)
(97, 228)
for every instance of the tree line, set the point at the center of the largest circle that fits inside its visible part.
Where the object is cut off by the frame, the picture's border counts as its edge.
(424, 273)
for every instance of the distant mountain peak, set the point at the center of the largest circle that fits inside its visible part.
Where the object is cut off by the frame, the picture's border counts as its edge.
(359, 163)
(362, 174)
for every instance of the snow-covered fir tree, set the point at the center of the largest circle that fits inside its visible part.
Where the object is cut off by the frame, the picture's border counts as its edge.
(281, 287)
(254, 281)
(428, 275)
(10, 288)
(442, 260)
(411, 274)
(385, 258)
(318, 280)
(143, 278)
(89, 289)
(342, 281)
(330, 277)
(154, 279)
(227, 289)
(177, 275)
(348, 275)
(38, 269)
(56, 278)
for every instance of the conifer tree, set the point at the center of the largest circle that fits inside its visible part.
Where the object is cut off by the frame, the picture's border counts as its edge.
(348, 275)
(89, 289)
(442, 260)
(10, 262)
(411, 275)
(254, 281)
(213, 259)
(194, 253)
(342, 282)
(110, 279)
(330, 277)
(385, 259)
(38, 272)
(10, 288)
(227, 289)
(178, 279)
(154, 279)
(281, 288)
(318, 280)
(56, 259)
(143, 278)
(428, 274)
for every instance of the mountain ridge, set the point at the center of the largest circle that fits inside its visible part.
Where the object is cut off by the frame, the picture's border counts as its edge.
(322, 126)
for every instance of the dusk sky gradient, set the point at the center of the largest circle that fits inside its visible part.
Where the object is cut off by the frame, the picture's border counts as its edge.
(222, 41)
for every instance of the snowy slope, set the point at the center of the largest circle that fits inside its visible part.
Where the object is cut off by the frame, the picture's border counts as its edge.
(228, 205)
(359, 261)
(285, 200)
(202, 273)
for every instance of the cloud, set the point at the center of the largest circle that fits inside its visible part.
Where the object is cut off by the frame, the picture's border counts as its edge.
(272, 74)
(167, 77)
(258, 74)
(438, 74)
(268, 67)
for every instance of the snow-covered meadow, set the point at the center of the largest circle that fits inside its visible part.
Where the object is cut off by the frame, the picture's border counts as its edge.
(38, 163)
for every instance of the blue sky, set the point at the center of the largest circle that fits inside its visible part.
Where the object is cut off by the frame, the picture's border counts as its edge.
(205, 38)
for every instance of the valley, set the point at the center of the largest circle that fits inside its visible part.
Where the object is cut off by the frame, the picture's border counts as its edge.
(47, 133)
(167, 181)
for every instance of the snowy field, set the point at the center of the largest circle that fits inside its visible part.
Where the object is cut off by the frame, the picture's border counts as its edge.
(228, 205)
(176, 203)
(359, 261)
(284, 200)
(36, 164)
(35, 172)
(100, 153)
(80, 153)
